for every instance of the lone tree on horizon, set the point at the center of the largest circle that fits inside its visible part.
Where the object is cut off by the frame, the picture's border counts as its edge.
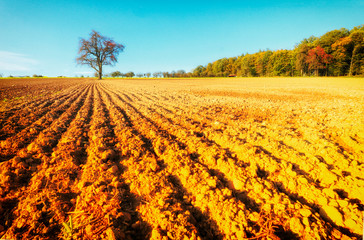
(98, 51)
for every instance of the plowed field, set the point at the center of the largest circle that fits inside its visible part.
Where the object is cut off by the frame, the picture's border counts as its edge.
(182, 159)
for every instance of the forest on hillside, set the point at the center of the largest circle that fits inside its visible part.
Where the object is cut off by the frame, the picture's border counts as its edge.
(336, 53)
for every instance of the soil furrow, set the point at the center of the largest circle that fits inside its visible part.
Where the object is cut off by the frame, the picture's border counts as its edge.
(299, 192)
(17, 119)
(11, 146)
(295, 192)
(49, 196)
(280, 135)
(162, 204)
(181, 159)
(203, 188)
(102, 208)
(305, 188)
(18, 172)
(240, 179)
(33, 104)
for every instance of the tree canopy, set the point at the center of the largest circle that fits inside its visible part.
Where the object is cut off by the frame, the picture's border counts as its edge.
(98, 51)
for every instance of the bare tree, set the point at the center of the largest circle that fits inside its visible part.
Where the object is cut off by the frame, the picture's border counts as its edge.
(98, 51)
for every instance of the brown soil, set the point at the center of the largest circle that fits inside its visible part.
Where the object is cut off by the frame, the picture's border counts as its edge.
(182, 159)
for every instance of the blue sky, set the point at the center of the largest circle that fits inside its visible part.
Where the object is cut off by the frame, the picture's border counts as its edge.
(42, 37)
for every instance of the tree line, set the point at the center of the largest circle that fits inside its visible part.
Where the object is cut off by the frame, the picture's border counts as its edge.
(173, 74)
(336, 53)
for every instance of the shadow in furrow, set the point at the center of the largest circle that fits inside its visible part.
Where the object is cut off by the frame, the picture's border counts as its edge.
(162, 132)
(25, 137)
(147, 142)
(207, 228)
(260, 173)
(6, 212)
(296, 197)
(240, 195)
(131, 201)
(24, 174)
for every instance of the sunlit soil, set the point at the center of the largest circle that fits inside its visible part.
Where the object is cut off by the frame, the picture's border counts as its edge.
(250, 158)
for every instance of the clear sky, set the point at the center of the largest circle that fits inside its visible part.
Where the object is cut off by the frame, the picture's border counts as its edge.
(42, 36)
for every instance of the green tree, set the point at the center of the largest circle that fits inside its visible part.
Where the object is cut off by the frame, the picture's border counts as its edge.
(328, 39)
(280, 63)
(219, 66)
(357, 57)
(261, 62)
(357, 28)
(209, 71)
(301, 52)
(129, 74)
(342, 51)
(116, 74)
(180, 73)
(311, 42)
(230, 66)
(247, 66)
(199, 71)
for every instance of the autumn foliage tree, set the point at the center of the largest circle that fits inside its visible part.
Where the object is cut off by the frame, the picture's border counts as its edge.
(318, 59)
(342, 50)
(98, 51)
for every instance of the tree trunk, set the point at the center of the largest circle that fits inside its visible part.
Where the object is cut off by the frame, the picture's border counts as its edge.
(100, 72)
(351, 62)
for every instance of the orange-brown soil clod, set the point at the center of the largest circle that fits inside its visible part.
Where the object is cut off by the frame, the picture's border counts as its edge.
(182, 159)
